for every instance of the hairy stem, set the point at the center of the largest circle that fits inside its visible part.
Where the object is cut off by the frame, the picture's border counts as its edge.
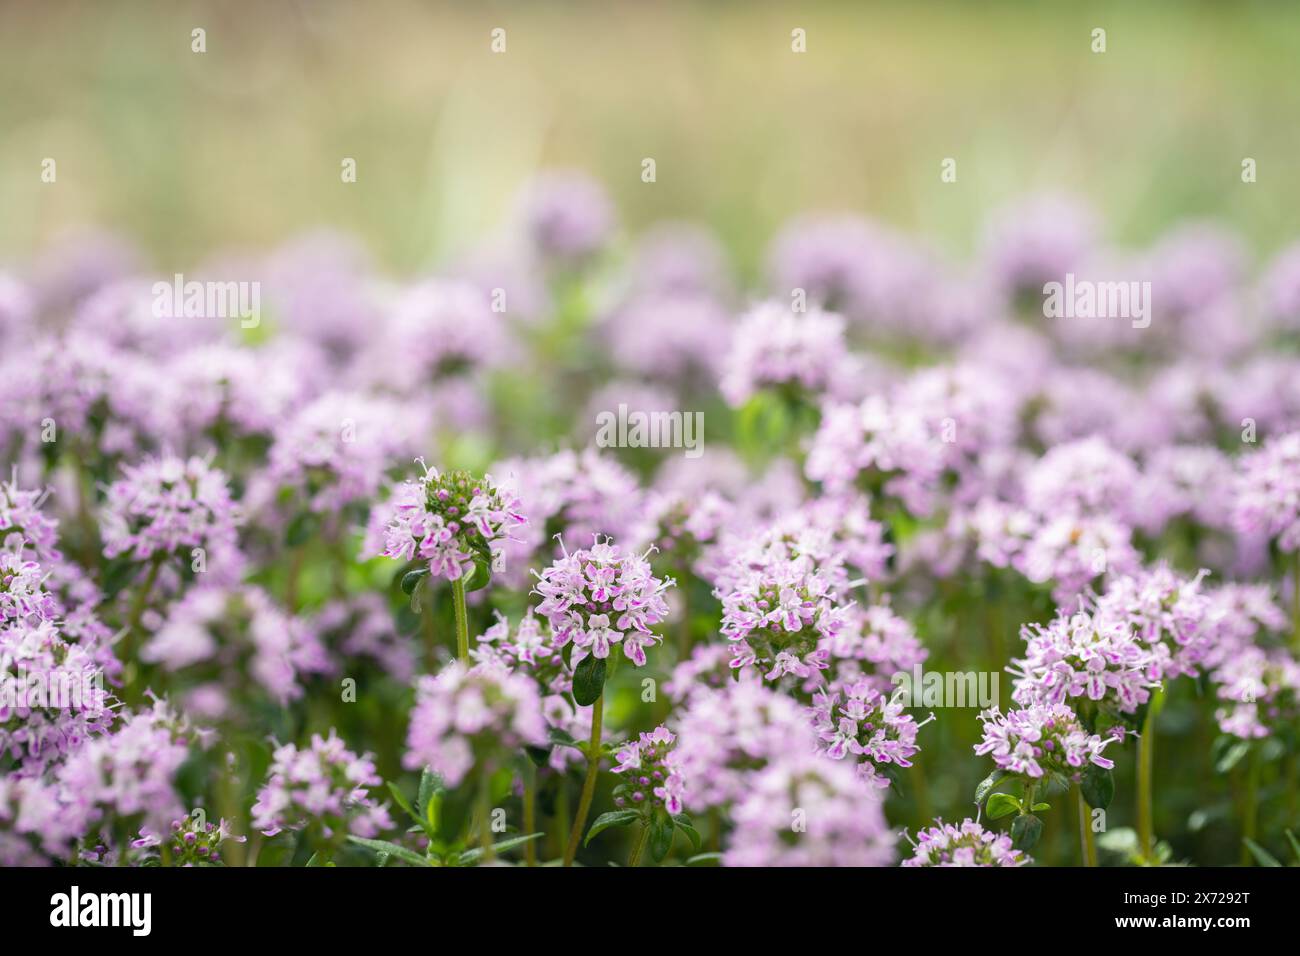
(485, 815)
(462, 619)
(1087, 843)
(1250, 812)
(588, 785)
(638, 845)
(1145, 770)
(530, 812)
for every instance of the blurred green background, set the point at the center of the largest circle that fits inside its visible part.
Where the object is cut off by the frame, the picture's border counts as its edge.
(241, 146)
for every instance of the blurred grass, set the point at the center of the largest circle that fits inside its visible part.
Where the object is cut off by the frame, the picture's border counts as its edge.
(241, 146)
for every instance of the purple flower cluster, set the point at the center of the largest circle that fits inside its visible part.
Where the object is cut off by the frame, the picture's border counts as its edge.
(453, 520)
(1042, 739)
(167, 505)
(652, 777)
(963, 844)
(323, 787)
(600, 596)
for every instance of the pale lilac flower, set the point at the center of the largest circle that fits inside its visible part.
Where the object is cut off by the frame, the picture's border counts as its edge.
(881, 447)
(566, 216)
(1073, 551)
(168, 506)
(869, 727)
(130, 774)
(1268, 491)
(963, 844)
(1168, 613)
(775, 347)
(335, 451)
(777, 617)
(1259, 691)
(1095, 657)
(806, 810)
(652, 776)
(454, 521)
(1042, 739)
(602, 595)
(725, 734)
(468, 718)
(324, 789)
(529, 647)
(52, 695)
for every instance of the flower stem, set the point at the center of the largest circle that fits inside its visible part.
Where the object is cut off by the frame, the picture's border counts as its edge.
(638, 846)
(462, 623)
(1250, 812)
(589, 785)
(133, 619)
(485, 815)
(1145, 770)
(1087, 843)
(1295, 602)
(530, 812)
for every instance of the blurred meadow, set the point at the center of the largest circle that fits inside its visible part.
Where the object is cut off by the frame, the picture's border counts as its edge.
(241, 146)
(194, 155)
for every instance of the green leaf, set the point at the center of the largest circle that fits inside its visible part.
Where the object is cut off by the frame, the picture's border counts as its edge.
(1097, 787)
(589, 681)
(469, 856)
(409, 857)
(987, 784)
(411, 580)
(1025, 831)
(1001, 805)
(1232, 756)
(1295, 845)
(482, 575)
(1041, 806)
(1260, 854)
(615, 818)
(661, 836)
(702, 858)
(562, 738)
(683, 823)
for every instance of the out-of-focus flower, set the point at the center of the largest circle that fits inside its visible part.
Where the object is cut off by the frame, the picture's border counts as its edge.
(775, 347)
(725, 734)
(167, 505)
(807, 810)
(566, 216)
(467, 718)
(323, 788)
(1268, 491)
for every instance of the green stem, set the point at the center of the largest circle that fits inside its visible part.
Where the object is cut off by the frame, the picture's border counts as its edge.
(530, 812)
(1087, 843)
(588, 785)
(638, 846)
(1295, 602)
(1250, 812)
(485, 815)
(1146, 768)
(462, 619)
(133, 621)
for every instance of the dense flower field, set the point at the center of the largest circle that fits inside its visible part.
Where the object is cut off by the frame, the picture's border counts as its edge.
(948, 577)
